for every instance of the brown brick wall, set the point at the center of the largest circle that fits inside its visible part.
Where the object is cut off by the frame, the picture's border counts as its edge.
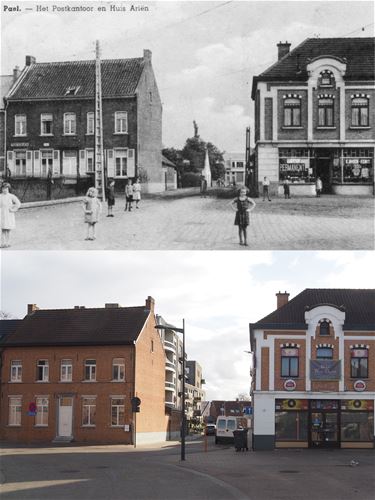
(370, 381)
(325, 385)
(300, 381)
(292, 134)
(268, 119)
(326, 134)
(265, 385)
(357, 134)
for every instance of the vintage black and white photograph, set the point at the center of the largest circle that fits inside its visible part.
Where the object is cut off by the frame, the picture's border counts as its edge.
(187, 125)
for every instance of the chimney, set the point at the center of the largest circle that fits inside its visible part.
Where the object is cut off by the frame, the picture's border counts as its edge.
(16, 73)
(30, 60)
(111, 305)
(283, 49)
(150, 303)
(282, 299)
(32, 308)
(147, 55)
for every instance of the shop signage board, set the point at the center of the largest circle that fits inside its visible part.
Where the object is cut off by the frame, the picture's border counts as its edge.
(325, 369)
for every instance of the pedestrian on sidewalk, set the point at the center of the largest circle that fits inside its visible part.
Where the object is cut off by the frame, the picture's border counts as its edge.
(111, 197)
(137, 192)
(318, 187)
(266, 185)
(286, 188)
(128, 196)
(203, 186)
(243, 205)
(92, 209)
(9, 204)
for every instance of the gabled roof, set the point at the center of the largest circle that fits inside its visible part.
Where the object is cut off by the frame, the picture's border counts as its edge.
(358, 304)
(358, 52)
(104, 326)
(52, 80)
(6, 81)
(8, 327)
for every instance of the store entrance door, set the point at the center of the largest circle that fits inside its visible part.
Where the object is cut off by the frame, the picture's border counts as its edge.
(324, 168)
(324, 430)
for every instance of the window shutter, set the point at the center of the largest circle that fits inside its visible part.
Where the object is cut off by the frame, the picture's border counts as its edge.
(36, 164)
(56, 162)
(131, 163)
(110, 164)
(10, 162)
(29, 164)
(82, 162)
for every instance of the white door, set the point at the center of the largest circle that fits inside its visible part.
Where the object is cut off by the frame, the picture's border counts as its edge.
(70, 163)
(65, 416)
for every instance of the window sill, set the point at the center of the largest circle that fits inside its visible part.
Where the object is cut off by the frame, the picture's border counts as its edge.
(88, 426)
(92, 134)
(41, 426)
(326, 128)
(42, 381)
(120, 133)
(46, 135)
(88, 381)
(118, 381)
(117, 426)
(14, 425)
(292, 127)
(17, 136)
(65, 381)
(360, 127)
(69, 135)
(15, 381)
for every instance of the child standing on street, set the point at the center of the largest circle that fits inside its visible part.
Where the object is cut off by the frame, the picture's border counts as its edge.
(92, 209)
(111, 197)
(137, 192)
(243, 206)
(128, 196)
(9, 204)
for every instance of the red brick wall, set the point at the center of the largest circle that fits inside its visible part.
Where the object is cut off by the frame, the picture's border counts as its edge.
(265, 385)
(300, 381)
(268, 119)
(356, 134)
(370, 381)
(292, 134)
(326, 134)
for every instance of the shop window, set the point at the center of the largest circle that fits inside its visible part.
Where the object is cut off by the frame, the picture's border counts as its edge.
(292, 112)
(89, 411)
(294, 165)
(360, 112)
(291, 425)
(118, 369)
(41, 417)
(70, 124)
(16, 371)
(66, 370)
(42, 370)
(121, 122)
(117, 412)
(357, 426)
(46, 124)
(324, 353)
(325, 112)
(20, 125)
(90, 123)
(324, 328)
(90, 370)
(289, 362)
(15, 410)
(359, 363)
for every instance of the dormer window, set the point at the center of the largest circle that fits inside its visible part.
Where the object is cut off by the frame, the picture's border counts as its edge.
(72, 91)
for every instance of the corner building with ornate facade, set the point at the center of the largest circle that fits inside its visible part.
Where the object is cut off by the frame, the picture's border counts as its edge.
(313, 371)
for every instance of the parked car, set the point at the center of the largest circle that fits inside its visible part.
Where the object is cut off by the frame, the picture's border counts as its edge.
(210, 430)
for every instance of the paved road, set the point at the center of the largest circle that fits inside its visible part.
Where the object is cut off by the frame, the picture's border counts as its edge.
(153, 473)
(194, 223)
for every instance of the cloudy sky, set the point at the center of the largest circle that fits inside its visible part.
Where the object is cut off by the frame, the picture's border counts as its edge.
(205, 54)
(218, 293)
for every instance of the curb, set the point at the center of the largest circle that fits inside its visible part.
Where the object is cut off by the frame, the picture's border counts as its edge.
(48, 203)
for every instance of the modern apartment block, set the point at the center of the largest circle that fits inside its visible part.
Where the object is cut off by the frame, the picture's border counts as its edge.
(70, 375)
(314, 117)
(313, 374)
(194, 392)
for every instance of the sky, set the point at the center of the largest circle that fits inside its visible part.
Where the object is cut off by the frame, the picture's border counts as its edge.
(205, 54)
(217, 293)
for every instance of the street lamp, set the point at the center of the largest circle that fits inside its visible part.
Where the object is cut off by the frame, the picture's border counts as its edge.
(183, 416)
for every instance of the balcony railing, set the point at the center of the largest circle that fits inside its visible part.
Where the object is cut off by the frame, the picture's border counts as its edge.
(169, 346)
(170, 386)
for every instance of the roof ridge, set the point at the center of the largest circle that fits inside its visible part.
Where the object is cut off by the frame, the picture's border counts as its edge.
(82, 61)
(84, 308)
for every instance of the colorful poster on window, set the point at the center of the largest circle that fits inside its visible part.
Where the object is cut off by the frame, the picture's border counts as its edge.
(358, 404)
(292, 404)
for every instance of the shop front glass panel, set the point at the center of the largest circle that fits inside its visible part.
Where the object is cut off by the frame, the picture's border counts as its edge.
(324, 428)
(291, 425)
(357, 426)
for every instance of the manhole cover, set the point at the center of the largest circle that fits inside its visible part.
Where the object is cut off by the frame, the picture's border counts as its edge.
(289, 471)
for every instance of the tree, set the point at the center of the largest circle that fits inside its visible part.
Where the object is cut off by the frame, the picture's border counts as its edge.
(6, 315)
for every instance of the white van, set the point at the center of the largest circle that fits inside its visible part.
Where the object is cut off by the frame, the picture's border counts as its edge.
(225, 427)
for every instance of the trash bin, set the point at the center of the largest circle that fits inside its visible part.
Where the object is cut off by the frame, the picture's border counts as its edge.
(240, 439)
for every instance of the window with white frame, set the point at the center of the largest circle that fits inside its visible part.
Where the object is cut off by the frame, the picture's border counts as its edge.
(89, 411)
(121, 122)
(42, 369)
(289, 362)
(70, 124)
(121, 162)
(20, 163)
(359, 363)
(46, 123)
(90, 166)
(20, 125)
(324, 353)
(66, 370)
(90, 123)
(90, 370)
(15, 410)
(117, 411)
(118, 369)
(325, 112)
(360, 112)
(292, 112)
(41, 417)
(16, 371)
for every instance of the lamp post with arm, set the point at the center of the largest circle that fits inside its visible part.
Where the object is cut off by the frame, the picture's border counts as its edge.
(183, 361)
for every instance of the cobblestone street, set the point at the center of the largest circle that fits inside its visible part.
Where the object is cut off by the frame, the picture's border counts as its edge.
(194, 223)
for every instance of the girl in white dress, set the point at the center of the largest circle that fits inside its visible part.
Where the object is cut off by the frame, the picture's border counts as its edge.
(9, 204)
(92, 209)
(137, 192)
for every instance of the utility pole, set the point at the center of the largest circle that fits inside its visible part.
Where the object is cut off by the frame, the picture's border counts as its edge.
(99, 154)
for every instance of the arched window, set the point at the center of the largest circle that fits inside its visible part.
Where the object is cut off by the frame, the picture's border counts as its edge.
(292, 112)
(324, 328)
(360, 112)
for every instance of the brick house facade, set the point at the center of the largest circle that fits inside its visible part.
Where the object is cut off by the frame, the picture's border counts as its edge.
(50, 121)
(70, 375)
(313, 376)
(314, 117)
